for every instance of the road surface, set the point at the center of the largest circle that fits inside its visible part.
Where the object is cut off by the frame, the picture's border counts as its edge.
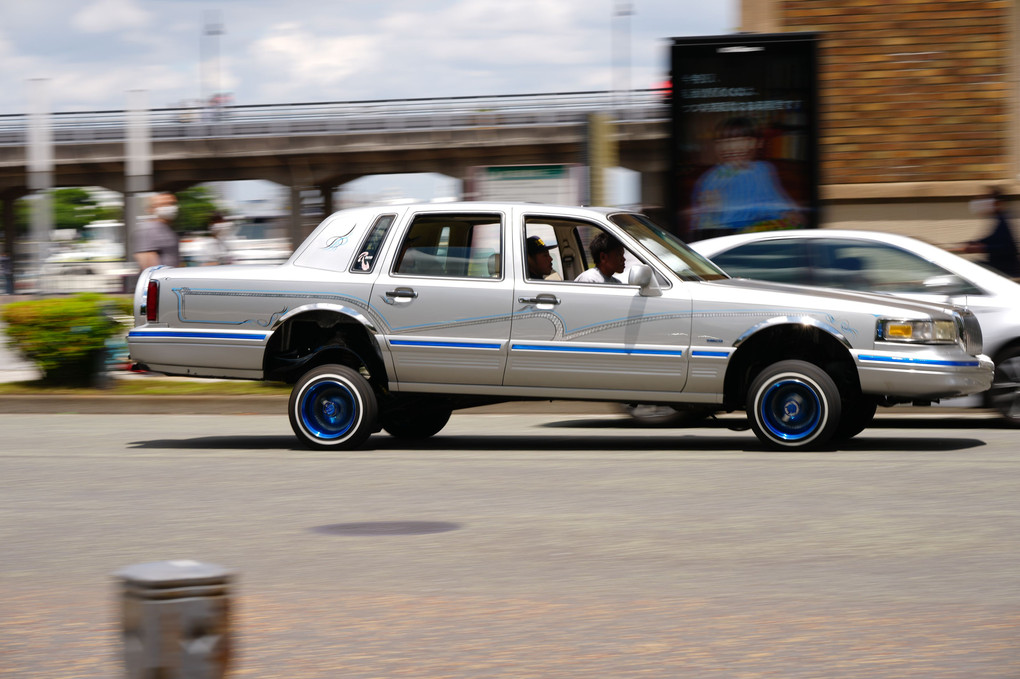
(523, 545)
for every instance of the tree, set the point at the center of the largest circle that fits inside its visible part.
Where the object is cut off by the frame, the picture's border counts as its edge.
(195, 205)
(72, 209)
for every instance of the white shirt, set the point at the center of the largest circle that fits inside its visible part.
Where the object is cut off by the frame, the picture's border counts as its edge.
(595, 276)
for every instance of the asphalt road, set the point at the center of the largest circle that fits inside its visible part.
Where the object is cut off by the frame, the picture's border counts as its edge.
(518, 545)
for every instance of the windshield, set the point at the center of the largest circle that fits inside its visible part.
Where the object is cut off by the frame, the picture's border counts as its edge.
(670, 250)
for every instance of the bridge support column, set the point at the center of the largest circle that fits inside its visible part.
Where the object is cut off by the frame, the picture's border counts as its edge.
(327, 199)
(10, 239)
(653, 189)
(295, 230)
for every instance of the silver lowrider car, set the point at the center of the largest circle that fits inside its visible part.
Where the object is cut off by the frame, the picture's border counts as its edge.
(392, 317)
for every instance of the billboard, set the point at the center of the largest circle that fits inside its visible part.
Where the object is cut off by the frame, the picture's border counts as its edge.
(556, 184)
(744, 154)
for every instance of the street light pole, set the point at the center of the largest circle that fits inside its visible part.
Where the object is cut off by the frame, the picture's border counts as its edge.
(210, 53)
(622, 11)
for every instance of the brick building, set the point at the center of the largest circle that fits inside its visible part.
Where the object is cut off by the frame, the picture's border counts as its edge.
(918, 107)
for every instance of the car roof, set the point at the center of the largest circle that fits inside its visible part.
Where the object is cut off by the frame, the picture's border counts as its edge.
(481, 205)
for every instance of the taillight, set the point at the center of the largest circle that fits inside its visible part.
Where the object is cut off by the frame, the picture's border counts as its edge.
(152, 302)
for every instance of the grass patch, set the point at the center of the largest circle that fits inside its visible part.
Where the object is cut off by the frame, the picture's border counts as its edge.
(155, 386)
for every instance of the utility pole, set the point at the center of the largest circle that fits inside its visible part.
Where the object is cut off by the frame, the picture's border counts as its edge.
(210, 56)
(622, 11)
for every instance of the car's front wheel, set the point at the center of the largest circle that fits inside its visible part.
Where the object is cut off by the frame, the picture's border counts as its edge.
(332, 407)
(1004, 395)
(793, 405)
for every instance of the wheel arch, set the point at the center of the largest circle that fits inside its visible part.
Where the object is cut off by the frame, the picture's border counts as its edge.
(321, 333)
(1008, 349)
(784, 338)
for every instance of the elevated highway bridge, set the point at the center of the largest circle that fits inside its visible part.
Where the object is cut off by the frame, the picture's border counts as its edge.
(325, 145)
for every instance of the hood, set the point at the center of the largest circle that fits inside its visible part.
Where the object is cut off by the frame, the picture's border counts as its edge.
(824, 298)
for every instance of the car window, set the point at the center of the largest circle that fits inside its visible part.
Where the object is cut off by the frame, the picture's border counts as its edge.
(365, 261)
(452, 245)
(670, 250)
(864, 265)
(572, 254)
(780, 260)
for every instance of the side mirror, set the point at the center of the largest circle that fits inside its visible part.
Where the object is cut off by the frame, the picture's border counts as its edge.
(642, 276)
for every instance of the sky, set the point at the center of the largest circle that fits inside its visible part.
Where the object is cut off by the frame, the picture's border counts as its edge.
(88, 54)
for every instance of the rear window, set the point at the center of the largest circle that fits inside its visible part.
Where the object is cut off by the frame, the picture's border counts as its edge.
(452, 246)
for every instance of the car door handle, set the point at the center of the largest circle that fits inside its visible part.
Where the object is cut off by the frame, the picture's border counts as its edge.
(541, 299)
(403, 292)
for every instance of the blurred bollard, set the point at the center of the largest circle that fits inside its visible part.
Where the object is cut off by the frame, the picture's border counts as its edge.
(175, 618)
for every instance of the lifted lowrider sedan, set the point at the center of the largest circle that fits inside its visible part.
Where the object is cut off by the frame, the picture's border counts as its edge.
(392, 317)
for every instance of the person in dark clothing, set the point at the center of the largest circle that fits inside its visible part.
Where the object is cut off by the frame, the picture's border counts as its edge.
(999, 245)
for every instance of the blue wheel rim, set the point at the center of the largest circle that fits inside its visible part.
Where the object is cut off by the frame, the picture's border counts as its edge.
(791, 410)
(329, 409)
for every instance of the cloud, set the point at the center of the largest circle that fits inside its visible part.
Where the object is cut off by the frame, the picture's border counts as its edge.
(108, 16)
(309, 58)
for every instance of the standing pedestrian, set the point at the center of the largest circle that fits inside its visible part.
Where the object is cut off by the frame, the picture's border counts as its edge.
(156, 241)
(217, 250)
(999, 246)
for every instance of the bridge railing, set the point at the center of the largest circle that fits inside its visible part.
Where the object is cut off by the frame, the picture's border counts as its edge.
(346, 117)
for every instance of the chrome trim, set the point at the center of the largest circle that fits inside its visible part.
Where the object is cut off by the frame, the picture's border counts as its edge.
(335, 308)
(794, 320)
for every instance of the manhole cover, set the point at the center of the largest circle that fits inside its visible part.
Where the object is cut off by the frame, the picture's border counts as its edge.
(387, 528)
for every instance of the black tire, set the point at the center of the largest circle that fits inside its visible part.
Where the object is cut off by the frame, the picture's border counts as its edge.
(793, 405)
(857, 414)
(416, 424)
(663, 416)
(332, 407)
(1004, 395)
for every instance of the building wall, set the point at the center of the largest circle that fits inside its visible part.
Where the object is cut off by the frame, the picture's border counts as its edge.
(918, 107)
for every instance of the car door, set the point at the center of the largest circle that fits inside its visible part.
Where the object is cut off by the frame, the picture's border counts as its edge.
(568, 335)
(445, 301)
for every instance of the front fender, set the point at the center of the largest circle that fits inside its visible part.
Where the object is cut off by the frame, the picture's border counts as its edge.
(810, 321)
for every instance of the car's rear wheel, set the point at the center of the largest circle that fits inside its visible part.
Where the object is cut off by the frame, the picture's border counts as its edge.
(416, 423)
(793, 405)
(1004, 395)
(332, 407)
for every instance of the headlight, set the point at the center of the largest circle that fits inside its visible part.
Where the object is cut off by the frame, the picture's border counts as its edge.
(924, 332)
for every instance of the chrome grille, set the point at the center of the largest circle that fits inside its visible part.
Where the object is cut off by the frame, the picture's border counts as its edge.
(971, 334)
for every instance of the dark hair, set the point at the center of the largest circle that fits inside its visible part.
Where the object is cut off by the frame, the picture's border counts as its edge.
(603, 242)
(739, 126)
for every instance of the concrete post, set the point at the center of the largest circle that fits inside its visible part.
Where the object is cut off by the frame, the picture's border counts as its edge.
(137, 167)
(10, 244)
(327, 199)
(176, 620)
(296, 229)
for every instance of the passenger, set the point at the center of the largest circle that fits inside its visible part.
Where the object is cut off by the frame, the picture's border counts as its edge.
(155, 240)
(540, 262)
(609, 256)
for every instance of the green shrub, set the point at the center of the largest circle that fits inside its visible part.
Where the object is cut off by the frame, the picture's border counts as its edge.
(66, 337)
